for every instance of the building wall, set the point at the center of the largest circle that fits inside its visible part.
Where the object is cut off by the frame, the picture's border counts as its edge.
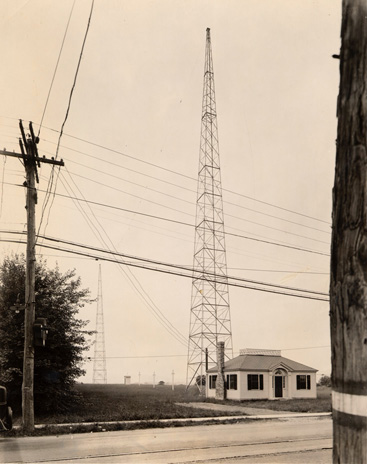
(289, 391)
(303, 393)
(254, 394)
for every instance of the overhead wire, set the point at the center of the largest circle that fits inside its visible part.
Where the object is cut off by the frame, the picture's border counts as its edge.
(174, 221)
(188, 202)
(57, 65)
(172, 272)
(189, 177)
(137, 285)
(227, 202)
(50, 184)
(175, 266)
(177, 186)
(185, 355)
(294, 271)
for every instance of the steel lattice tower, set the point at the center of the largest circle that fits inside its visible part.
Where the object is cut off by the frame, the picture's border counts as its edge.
(99, 367)
(210, 320)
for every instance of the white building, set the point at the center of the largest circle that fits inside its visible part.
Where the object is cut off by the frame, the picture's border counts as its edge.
(263, 374)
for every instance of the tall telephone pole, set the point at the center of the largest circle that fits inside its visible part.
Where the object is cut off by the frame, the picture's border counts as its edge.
(210, 320)
(348, 277)
(31, 160)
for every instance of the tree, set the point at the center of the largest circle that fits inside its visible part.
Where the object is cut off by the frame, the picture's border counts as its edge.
(348, 277)
(57, 365)
(325, 381)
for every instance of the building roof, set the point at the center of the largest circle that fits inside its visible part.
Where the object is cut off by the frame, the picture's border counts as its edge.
(262, 363)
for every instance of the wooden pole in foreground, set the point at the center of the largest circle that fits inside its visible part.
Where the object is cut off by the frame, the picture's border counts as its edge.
(28, 360)
(348, 279)
(29, 155)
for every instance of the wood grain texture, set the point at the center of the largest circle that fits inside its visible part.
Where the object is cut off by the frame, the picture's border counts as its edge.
(348, 279)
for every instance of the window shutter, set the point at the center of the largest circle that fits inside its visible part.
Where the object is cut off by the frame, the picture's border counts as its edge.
(248, 381)
(298, 382)
(308, 382)
(261, 382)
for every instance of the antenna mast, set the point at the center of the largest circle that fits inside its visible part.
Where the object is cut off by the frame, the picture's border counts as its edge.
(99, 367)
(210, 320)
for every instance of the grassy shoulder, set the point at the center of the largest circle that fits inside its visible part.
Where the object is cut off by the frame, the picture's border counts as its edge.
(118, 403)
(313, 405)
(103, 403)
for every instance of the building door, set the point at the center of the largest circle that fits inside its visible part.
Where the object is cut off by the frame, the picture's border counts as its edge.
(278, 386)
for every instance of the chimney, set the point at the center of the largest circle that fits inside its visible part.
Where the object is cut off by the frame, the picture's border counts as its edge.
(220, 390)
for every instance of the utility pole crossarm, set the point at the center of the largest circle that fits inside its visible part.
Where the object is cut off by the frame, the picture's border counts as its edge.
(36, 159)
(29, 154)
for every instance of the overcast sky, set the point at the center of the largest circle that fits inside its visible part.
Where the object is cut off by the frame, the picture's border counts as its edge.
(131, 141)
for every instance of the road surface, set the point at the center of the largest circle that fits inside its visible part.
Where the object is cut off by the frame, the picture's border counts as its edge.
(291, 440)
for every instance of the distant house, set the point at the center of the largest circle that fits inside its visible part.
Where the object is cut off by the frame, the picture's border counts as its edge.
(263, 374)
(127, 379)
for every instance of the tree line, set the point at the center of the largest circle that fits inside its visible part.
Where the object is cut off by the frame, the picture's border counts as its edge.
(59, 297)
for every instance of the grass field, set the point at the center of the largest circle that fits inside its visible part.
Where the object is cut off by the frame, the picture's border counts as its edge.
(320, 404)
(128, 402)
(101, 403)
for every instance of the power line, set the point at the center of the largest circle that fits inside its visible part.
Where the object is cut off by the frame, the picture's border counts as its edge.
(306, 348)
(165, 271)
(188, 177)
(188, 214)
(175, 185)
(152, 216)
(185, 355)
(57, 64)
(276, 206)
(161, 263)
(137, 196)
(75, 78)
(134, 282)
(294, 271)
(205, 276)
(50, 183)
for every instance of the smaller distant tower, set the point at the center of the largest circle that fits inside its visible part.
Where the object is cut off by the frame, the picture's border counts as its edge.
(99, 368)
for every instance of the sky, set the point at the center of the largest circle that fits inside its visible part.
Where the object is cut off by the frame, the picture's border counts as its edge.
(131, 149)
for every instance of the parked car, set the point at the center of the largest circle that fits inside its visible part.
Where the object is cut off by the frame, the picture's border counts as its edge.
(6, 414)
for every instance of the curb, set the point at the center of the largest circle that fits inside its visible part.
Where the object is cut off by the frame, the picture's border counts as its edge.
(212, 419)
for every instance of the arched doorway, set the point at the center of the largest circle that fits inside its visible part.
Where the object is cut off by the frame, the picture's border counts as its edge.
(279, 383)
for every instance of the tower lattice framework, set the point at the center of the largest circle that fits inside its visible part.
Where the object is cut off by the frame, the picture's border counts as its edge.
(99, 367)
(210, 320)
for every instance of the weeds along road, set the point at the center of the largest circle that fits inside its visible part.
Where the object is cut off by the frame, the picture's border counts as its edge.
(293, 440)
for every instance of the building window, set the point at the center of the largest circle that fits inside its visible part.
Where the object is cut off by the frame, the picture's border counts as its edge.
(255, 382)
(232, 382)
(303, 382)
(212, 381)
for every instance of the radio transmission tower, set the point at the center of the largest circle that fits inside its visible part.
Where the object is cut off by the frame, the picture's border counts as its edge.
(99, 367)
(210, 320)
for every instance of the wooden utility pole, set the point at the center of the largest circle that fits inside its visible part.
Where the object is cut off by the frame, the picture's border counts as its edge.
(29, 155)
(348, 280)
(30, 303)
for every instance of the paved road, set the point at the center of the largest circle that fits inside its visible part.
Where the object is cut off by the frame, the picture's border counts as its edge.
(293, 440)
